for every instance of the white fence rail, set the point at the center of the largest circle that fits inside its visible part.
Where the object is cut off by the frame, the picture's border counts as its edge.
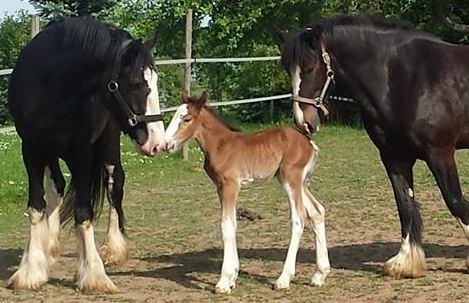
(210, 60)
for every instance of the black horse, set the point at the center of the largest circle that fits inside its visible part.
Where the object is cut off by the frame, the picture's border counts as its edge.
(412, 89)
(75, 87)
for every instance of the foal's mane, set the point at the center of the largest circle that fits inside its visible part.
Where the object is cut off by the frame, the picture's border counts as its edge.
(215, 114)
(197, 102)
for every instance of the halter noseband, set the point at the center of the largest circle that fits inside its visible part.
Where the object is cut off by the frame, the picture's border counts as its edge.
(319, 101)
(113, 87)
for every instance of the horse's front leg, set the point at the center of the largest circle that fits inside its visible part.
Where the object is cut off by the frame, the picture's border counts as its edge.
(114, 249)
(34, 267)
(441, 163)
(228, 192)
(410, 260)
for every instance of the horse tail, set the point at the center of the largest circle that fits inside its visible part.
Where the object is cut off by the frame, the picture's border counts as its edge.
(416, 228)
(98, 191)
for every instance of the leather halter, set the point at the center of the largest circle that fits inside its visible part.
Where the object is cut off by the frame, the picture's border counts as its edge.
(113, 87)
(319, 100)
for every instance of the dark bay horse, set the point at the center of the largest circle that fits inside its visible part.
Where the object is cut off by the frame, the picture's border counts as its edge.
(412, 89)
(234, 159)
(75, 87)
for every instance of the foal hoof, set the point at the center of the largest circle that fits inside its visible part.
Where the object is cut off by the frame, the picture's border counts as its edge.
(281, 283)
(224, 287)
(318, 279)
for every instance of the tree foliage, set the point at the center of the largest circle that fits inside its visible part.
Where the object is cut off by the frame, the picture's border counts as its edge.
(227, 28)
(95, 8)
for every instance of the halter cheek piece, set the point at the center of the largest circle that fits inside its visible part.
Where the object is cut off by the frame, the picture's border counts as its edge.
(113, 87)
(319, 101)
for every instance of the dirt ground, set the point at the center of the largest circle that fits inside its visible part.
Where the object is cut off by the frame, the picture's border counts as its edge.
(176, 248)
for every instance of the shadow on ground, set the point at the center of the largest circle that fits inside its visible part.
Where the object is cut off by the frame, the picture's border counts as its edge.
(8, 258)
(360, 257)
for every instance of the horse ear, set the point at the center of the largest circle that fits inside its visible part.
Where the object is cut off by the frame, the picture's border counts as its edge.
(184, 97)
(312, 35)
(151, 42)
(279, 36)
(203, 98)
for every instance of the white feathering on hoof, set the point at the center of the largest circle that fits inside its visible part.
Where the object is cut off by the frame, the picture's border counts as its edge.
(34, 267)
(91, 277)
(408, 263)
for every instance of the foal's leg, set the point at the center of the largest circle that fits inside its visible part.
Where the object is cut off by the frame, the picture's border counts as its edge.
(293, 187)
(91, 275)
(228, 192)
(410, 261)
(441, 163)
(34, 269)
(317, 214)
(55, 186)
(114, 249)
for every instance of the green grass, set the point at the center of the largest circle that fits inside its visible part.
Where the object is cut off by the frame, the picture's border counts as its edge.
(173, 220)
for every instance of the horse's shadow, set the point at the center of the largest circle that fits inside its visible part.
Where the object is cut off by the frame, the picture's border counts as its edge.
(358, 257)
(8, 258)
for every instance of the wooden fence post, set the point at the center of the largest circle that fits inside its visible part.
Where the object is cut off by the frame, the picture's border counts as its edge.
(34, 25)
(187, 69)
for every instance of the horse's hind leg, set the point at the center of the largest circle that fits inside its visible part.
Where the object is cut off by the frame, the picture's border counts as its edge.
(228, 192)
(33, 269)
(55, 186)
(292, 184)
(91, 275)
(114, 249)
(441, 163)
(317, 214)
(410, 261)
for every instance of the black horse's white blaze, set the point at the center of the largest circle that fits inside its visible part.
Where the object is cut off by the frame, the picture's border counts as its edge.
(155, 141)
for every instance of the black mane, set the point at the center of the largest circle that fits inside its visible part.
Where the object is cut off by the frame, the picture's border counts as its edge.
(84, 32)
(298, 44)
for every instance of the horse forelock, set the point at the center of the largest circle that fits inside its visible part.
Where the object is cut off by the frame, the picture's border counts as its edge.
(296, 50)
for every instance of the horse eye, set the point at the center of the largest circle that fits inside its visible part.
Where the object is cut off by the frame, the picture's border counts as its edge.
(186, 119)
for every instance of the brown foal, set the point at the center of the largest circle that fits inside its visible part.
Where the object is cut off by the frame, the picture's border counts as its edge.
(233, 158)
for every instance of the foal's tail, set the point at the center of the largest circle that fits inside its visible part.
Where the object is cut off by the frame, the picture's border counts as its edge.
(98, 192)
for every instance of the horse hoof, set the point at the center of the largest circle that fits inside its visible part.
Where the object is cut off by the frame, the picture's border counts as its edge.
(406, 265)
(224, 287)
(92, 286)
(318, 279)
(113, 256)
(281, 283)
(23, 279)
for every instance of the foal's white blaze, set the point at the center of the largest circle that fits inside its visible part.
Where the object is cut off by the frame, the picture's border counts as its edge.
(34, 269)
(295, 83)
(172, 144)
(91, 275)
(230, 267)
(114, 249)
(296, 231)
(155, 140)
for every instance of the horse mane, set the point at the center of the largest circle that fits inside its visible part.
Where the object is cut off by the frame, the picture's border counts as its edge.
(297, 47)
(84, 32)
(215, 114)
